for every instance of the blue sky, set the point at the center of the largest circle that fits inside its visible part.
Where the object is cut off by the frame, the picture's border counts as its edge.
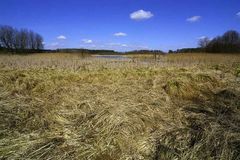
(122, 24)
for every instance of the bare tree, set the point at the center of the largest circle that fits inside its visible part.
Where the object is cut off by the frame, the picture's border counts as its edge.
(39, 42)
(16, 40)
(24, 39)
(20, 40)
(229, 42)
(32, 40)
(231, 37)
(203, 42)
(7, 36)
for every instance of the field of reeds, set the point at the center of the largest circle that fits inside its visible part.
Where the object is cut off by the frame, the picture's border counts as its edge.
(174, 107)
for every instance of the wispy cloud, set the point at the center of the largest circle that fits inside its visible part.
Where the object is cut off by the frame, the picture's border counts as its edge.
(117, 44)
(61, 37)
(120, 34)
(193, 19)
(141, 15)
(238, 14)
(202, 37)
(87, 41)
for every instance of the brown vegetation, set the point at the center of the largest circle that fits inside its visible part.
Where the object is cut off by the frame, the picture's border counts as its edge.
(62, 106)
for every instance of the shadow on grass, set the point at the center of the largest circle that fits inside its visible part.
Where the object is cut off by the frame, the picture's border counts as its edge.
(211, 129)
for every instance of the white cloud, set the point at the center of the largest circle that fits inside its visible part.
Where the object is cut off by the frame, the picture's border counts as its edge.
(202, 37)
(141, 15)
(87, 41)
(120, 34)
(61, 37)
(238, 14)
(193, 19)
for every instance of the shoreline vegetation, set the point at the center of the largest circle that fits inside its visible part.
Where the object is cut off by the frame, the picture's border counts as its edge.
(68, 106)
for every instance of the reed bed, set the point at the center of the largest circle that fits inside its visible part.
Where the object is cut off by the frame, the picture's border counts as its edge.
(63, 106)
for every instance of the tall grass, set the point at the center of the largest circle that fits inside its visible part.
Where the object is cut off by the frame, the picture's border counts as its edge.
(61, 106)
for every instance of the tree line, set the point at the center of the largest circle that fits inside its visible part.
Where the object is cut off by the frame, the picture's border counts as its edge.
(229, 42)
(86, 51)
(20, 40)
(144, 52)
(24, 40)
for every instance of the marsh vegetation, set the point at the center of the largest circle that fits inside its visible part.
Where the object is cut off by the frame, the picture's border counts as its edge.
(65, 106)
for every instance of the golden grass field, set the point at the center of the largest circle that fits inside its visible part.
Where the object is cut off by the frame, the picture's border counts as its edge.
(65, 106)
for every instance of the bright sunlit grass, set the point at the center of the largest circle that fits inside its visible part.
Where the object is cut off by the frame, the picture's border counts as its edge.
(64, 106)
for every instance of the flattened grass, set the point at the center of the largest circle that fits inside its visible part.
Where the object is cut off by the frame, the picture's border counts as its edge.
(118, 110)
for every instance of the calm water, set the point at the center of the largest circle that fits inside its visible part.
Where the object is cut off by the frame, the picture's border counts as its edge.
(117, 57)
